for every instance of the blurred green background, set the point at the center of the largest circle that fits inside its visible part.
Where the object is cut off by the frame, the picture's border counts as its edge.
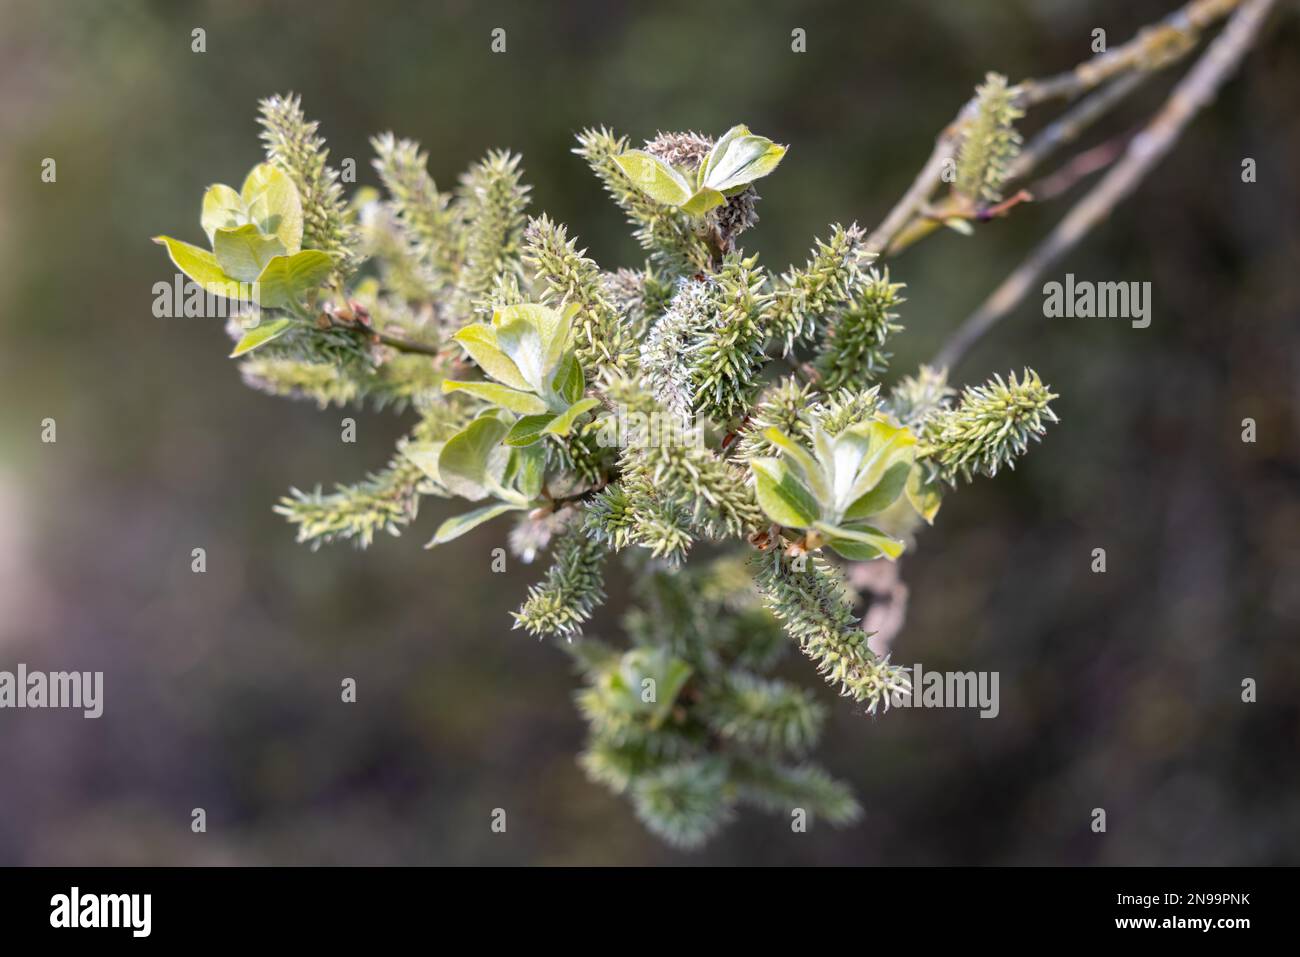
(1119, 691)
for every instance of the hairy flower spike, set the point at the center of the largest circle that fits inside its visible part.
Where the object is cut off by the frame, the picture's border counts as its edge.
(666, 353)
(572, 590)
(713, 492)
(848, 408)
(775, 787)
(638, 296)
(852, 355)
(492, 198)
(424, 213)
(384, 501)
(570, 277)
(293, 145)
(684, 803)
(813, 604)
(916, 399)
(686, 150)
(787, 406)
(990, 143)
(831, 281)
(765, 714)
(633, 513)
(726, 352)
(989, 428)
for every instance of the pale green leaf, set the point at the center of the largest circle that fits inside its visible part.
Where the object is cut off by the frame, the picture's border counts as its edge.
(465, 464)
(568, 381)
(807, 465)
(925, 497)
(260, 335)
(480, 341)
(854, 551)
(521, 340)
(654, 177)
(556, 334)
(745, 159)
(889, 444)
(222, 207)
(424, 456)
(273, 204)
(528, 429)
(703, 200)
(201, 266)
(243, 251)
(529, 469)
(563, 422)
(719, 150)
(890, 547)
(781, 495)
(525, 403)
(287, 279)
(460, 524)
(883, 495)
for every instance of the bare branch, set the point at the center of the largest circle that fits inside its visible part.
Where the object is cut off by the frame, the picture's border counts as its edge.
(1145, 150)
(1152, 48)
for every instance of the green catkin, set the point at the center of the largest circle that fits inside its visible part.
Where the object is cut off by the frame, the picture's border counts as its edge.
(990, 427)
(990, 142)
(293, 145)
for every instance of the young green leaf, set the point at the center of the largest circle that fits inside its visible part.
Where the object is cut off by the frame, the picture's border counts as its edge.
(883, 495)
(286, 279)
(260, 335)
(528, 429)
(521, 340)
(460, 524)
(745, 159)
(527, 470)
(782, 496)
(889, 444)
(654, 177)
(473, 458)
(703, 200)
(524, 403)
(222, 208)
(568, 381)
(424, 456)
(557, 330)
(890, 547)
(562, 423)
(480, 341)
(273, 204)
(243, 251)
(201, 266)
(719, 150)
(811, 473)
(925, 497)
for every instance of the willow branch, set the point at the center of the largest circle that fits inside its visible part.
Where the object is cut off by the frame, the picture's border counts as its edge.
(1197, 89)
(1071, 125)
(1151, 49)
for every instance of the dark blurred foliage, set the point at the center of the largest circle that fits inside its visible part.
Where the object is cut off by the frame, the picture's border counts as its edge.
(1119, 691)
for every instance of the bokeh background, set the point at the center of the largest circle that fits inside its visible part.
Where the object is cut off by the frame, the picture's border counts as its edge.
(1119, 691)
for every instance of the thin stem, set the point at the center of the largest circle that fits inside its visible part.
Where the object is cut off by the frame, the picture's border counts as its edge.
(1152, 48)
(1071, 125)
(407, 345)
(1144, 151)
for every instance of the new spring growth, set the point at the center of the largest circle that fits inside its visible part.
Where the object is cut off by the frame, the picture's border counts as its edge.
(539, 382)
